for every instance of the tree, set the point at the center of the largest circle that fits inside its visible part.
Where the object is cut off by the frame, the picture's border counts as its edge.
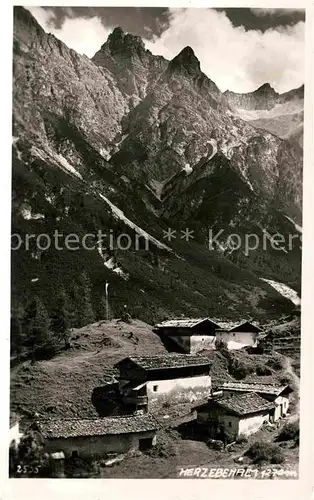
(60, 318)
(100, 308)
(17, 337)
(83, 296)
(30, 460)
(222, 346)
(37, 325)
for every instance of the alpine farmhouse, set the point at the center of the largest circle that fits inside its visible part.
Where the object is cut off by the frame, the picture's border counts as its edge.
(242, 408)
(277, 394)
(98, 437)
(194, 335)
(149, 381)
(233, 416)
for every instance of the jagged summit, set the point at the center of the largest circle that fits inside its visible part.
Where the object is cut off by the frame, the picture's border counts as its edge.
(117, 32)
(185, 61)
(266, 88)
(119, 42)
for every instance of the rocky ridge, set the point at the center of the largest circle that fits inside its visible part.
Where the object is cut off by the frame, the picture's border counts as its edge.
(132, 142)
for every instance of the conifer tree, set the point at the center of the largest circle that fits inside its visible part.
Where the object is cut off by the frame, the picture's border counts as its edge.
(61, 318)
(37, 324)
(17, 337)
(83, 293)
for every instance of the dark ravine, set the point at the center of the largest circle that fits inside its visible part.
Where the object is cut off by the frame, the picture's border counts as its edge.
(139, 130)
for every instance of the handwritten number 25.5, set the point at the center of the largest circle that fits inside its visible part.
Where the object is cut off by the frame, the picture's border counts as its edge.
(24, 469)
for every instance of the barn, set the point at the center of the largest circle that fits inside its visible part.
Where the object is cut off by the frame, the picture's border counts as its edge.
(150, 381)
(238, 334)
(98, 437)
(189, 335)
(277, 394)
(195, 335)
(234, 416)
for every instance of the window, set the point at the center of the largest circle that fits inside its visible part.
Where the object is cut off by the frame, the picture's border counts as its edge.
(230, 424)
(155, 388)
(74, 454)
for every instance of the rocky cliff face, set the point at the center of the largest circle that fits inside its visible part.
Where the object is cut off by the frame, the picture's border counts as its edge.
(129, 142)
(134, 68)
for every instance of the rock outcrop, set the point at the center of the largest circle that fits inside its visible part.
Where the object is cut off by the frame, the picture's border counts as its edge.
(129, 142)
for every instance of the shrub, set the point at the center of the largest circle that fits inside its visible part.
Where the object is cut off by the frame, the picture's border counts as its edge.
(276, 362)
(241, 439)
(163, 448)
(76, 467)
(239, 368)
(263, 370)
(265, 452)
(221, 346)
(30, 460)
(289, 431)
(215, 444)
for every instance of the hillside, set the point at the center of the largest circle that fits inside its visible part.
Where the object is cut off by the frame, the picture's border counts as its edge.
(35, 387)
(96, 348)
(131, 145)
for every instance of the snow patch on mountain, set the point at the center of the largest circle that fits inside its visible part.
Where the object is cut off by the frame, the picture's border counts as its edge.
(119, 271)
(105, 154)
(297, 227)
(120, 216)
(49, 155)
(187, 168)
(14, 143)
(111, 264)
(64, 162)
(27, 214)
(284, 290)
(213, 144)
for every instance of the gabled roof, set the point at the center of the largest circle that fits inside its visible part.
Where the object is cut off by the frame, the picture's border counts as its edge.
(185, 323)
(232, 325)
(245, 404)
(164, 361)
(254, 387)
(216, 323)
(59, 428)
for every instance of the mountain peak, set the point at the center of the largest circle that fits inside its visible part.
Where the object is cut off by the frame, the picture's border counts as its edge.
(266, 88)
(185, 61)
(117, 32)
(119, 42)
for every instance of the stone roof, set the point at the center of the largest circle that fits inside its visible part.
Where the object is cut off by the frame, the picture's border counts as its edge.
(184, 323)
(192, 322)
(231, 325)
(169, 361)
(253, 387)
(244, 404)
(59, 428)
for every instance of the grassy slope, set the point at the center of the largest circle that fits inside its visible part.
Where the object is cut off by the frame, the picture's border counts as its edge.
(63, 385)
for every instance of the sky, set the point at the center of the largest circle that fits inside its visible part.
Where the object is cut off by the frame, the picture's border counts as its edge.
(240, 49)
